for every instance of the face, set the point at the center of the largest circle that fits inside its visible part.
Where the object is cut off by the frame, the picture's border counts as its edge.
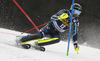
(76, 13)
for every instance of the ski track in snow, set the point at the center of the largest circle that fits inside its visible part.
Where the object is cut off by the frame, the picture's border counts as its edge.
(55, 52)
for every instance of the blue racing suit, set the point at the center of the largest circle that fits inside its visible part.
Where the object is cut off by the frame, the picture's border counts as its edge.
(57, 26)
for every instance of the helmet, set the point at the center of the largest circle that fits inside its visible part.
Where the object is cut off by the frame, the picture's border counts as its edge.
(76, 7)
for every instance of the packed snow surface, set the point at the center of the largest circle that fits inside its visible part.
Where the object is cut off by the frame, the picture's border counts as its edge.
(56, 52)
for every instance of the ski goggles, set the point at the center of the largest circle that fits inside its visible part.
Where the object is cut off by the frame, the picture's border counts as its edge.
(77, 12)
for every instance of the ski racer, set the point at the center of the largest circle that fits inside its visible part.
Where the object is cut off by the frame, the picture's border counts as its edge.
(59, 23)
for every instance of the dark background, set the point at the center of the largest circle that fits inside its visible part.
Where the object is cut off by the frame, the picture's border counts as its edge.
(40, 12)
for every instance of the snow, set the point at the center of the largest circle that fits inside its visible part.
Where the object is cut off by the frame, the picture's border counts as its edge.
(55, 52)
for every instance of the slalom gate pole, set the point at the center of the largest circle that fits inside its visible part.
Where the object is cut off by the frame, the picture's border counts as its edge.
(70, 28)
(26, 15)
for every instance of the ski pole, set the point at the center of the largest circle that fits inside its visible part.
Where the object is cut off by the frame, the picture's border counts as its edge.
(70, 28)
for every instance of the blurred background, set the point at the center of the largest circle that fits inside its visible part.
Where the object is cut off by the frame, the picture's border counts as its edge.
(40, 12)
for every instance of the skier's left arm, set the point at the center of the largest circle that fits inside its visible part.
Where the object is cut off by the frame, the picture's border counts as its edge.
(75, 31)
(62, 14)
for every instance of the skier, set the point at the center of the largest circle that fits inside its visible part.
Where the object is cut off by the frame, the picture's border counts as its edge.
(59, 23)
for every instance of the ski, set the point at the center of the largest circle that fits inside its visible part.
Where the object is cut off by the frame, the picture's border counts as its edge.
(28, 44)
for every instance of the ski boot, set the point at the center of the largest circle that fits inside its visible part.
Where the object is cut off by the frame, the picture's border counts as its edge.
(37, 47)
